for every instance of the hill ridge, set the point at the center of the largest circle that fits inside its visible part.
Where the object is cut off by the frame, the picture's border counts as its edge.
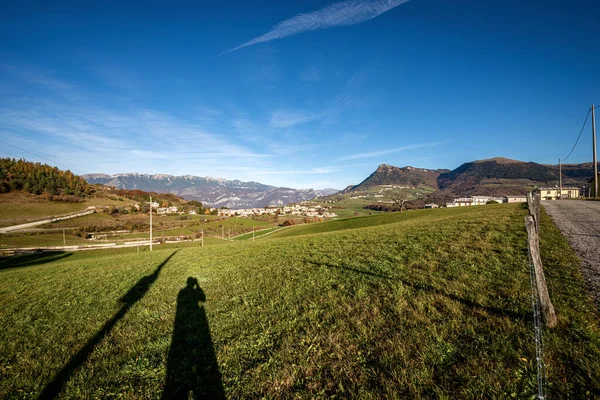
(492, 176)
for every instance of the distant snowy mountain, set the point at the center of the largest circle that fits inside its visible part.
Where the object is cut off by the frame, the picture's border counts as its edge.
(210, 191)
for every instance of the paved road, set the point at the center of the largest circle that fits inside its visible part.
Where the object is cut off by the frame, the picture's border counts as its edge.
(579, 222)
(7, 229)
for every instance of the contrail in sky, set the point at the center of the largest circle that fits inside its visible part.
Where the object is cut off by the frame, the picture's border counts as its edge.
(343, 13)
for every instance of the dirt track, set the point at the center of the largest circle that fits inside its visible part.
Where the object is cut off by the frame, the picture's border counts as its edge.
(579, 222)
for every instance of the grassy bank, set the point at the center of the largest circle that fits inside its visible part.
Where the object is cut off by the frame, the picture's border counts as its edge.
(427, 304)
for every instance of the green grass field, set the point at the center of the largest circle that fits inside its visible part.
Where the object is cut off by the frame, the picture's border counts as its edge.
(346, 207)
(19, 207)
(40, 240)
(427, 304)
(164, 225)
(14, 214)
(257, 234)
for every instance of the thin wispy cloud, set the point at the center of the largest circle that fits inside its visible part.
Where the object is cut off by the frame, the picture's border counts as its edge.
(310, 74)
(286, 118)
(343, 13)
(359, 156)
(41, 79)
(309, 171)
(89, 135)
(94, 138)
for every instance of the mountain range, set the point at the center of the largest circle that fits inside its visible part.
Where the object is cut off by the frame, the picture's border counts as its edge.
(214, 192)
(492, 177)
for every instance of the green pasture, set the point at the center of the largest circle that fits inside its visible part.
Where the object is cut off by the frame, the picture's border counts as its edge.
(427, 304)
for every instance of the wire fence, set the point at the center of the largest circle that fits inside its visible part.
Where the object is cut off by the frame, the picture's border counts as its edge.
(543, 310)
(542, 377)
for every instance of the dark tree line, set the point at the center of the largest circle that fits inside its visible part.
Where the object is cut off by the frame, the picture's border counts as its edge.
(39, 178)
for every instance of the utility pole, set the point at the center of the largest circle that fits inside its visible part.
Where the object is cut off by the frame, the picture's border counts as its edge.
(202, 238)
(150, 223)
(594, 145)
(560, 177)
(222, 232)
(64, 239)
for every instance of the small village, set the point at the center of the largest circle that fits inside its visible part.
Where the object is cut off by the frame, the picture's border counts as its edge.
(302, 209)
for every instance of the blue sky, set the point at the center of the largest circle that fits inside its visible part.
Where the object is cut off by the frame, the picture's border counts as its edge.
(299, 94)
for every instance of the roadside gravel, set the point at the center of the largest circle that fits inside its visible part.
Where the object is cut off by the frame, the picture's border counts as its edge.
(579, 222)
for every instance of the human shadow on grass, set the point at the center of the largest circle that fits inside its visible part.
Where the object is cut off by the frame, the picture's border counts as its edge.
(135, 294)
(36, 258)
(431, 289)
(192, 364)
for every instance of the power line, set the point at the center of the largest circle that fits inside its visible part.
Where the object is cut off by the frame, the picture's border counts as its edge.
(35, 155)
(8, 154)
(579, 137)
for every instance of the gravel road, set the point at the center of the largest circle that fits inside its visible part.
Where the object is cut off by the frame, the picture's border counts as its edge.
(579, 222)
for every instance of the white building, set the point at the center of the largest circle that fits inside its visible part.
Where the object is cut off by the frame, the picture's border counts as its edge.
(475, 201)
(553, 193)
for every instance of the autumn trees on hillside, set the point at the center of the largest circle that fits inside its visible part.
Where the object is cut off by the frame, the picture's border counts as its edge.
(39, 178)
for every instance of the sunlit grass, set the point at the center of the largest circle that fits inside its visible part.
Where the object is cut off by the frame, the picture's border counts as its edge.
(427, 304)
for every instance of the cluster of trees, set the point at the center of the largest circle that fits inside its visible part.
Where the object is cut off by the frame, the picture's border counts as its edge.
(164, 199)
(84, 231)
(398, 198)
(39, 178)
(198, 207)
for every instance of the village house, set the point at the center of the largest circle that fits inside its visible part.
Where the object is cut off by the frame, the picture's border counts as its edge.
(516, 199)
(481, 200)
(554, 193)
(167, 210)
(463, 202)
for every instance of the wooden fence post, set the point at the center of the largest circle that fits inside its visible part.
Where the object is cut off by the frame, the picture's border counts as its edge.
(536, 207)
(534, 203)
(533, 240)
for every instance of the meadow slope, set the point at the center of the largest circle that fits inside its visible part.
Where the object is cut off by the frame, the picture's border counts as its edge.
(427, 304)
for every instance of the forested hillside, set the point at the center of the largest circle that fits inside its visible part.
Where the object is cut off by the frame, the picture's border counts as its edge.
(39, 178)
